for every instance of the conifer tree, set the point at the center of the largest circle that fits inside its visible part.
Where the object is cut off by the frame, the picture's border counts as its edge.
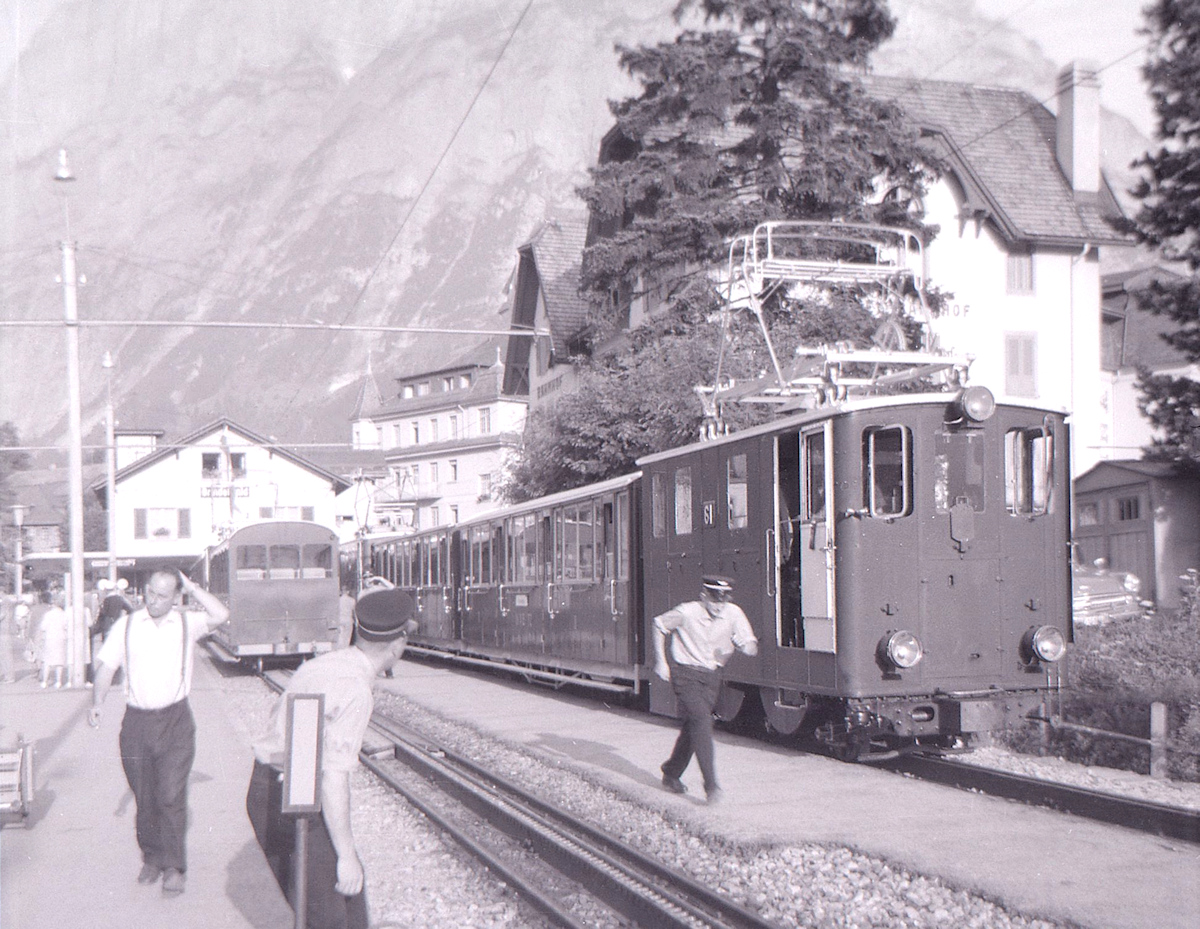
(754, 112)
(1169, 219)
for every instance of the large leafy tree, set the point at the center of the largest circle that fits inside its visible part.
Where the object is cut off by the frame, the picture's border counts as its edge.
(753, 113)
(1169, 219)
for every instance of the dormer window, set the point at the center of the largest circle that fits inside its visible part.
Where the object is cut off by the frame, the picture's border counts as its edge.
(447, 384)
(423, 389)
(406, 392)
(464, 381)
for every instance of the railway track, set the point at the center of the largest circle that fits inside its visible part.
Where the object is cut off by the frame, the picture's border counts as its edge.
(518, 836)
(1157, 819)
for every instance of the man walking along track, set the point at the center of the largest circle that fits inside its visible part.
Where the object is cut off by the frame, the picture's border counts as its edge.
(704, 634)
(156, 648)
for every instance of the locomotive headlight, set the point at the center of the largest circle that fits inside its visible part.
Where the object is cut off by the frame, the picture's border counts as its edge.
(901, 649)
(1043, 643)
(977, 403)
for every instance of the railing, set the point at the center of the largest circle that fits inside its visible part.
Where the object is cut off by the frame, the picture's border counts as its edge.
(1158, 743)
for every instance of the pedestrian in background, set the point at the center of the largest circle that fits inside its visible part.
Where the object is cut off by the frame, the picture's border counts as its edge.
(112, 607)
(54, 632)
(334, 879)
(155, 646)
(703, 634)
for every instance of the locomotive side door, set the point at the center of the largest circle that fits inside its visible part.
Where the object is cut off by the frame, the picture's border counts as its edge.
(816, 540)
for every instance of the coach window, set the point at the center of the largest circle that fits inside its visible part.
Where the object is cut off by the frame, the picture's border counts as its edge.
(737, 492)
(658, 506)
(958, 471)
(285, 562)
(318, 562)
(683, 501)
(587, 542)
(251, 562)
(887, 471)
(1027, 466)
(621, 529)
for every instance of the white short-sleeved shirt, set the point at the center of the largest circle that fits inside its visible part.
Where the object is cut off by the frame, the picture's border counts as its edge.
(705, 641)
(158, 671)
(345, 677)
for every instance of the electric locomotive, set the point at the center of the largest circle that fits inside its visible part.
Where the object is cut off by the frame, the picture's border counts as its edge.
(904, 562)
(279, 579)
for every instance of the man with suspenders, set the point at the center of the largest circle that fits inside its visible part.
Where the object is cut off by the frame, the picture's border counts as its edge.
(155, 646)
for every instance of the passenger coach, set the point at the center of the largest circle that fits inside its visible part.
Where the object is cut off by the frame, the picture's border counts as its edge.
(904, 562)
(280, 582)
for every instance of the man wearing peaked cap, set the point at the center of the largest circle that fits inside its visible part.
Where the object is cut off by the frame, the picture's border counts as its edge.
(703, 635)
(383, 620)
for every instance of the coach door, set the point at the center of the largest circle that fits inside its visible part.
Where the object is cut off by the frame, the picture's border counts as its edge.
(816, 540)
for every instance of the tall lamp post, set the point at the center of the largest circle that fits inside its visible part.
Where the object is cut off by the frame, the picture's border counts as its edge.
(18, 518)
(110, 495)
(76, 650)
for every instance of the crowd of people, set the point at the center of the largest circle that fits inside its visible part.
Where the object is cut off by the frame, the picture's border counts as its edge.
(35, 629)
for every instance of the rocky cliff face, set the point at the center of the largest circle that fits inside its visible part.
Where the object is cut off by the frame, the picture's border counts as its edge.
(358, 163)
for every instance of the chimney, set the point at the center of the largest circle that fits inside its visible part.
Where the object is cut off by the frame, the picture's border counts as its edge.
(1078, 144)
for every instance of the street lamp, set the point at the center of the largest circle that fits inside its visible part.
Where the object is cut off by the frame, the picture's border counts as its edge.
(18, 518)
(110, 428)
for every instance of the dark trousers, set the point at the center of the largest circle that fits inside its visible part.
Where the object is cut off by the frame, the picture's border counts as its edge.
(276, 834)
(696, 691)
(157, 751)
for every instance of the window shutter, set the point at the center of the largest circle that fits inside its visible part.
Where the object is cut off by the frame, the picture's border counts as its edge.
(185, 524)
(139, 524)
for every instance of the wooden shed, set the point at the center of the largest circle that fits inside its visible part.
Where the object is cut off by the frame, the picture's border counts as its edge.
(1144, 517)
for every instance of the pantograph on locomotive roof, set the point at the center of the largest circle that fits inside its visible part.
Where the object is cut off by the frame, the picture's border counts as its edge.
(886, 261)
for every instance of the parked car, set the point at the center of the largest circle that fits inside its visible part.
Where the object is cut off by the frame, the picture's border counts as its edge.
(1100, 594)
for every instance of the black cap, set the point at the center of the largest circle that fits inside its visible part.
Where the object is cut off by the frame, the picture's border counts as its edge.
(718, 583)
(382, 615)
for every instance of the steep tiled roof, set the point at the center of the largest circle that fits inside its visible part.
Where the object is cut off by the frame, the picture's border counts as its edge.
(557, 249)
(1001, 144)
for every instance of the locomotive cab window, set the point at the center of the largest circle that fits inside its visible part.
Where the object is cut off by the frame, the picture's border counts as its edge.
(683, 501)
(737, 492)
(958, 471)
(658, 506)
(887, 471)
(1027, 471)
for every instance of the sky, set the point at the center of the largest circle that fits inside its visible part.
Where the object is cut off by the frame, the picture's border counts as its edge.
(1105, 31)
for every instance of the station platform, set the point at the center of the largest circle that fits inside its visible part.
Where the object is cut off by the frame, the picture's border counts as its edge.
(76, 863)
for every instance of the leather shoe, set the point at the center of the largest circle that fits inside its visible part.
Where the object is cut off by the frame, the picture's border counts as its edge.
(172, 882)
(149, 874)
(674, 784)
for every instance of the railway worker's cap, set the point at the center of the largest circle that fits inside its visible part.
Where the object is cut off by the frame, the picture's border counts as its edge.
(717, 585)
(384, 614)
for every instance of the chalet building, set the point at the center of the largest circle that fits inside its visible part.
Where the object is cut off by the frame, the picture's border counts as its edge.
(1131, 339)
(446, 436)
(172, 500)
(1023, 212)
(545, 298)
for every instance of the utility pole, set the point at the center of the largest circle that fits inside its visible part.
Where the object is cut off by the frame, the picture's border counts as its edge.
(77, 643)
(110, 440)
